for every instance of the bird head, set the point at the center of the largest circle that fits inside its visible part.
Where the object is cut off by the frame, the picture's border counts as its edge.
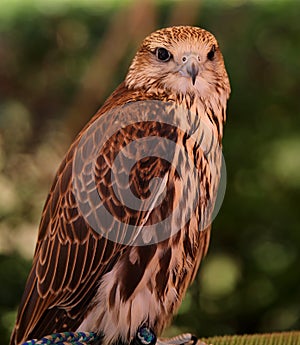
(181, 60)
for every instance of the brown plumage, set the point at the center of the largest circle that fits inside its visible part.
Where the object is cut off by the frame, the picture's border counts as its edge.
(80, 280)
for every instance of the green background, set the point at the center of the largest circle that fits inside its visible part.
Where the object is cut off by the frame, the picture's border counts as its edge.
(60, 59)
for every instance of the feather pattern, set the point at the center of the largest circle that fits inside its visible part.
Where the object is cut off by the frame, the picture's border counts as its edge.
(80, 280)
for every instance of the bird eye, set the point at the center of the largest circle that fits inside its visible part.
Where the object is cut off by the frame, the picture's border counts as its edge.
(211, 53)
(163, 54)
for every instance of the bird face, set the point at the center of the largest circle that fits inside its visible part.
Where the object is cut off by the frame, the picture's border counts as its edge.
(179, 60)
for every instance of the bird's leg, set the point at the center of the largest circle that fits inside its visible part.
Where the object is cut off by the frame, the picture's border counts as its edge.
(145, 336)
(181, 339)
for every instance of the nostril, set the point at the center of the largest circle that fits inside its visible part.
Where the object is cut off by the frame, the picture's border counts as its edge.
(184, 58)
(198, 57)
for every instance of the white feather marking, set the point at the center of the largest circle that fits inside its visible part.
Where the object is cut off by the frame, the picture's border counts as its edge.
(133, 256)
(123, 320)
(158, 194)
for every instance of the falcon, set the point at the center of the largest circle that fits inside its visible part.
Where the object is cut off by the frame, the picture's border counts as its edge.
(84, 279)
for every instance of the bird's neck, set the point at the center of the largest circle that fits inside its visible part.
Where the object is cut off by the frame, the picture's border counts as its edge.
(210, 109)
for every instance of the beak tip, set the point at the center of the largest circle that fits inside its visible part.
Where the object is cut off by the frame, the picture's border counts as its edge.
(193, 71)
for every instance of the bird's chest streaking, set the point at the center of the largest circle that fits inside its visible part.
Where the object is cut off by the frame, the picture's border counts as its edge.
(147, 283)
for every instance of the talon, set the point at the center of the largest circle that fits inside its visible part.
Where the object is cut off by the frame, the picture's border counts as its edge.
(194, 339)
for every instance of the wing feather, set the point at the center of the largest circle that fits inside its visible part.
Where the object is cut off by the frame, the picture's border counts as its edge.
(70, 257)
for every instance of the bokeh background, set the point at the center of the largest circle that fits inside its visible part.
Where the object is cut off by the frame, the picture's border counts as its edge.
(59, 59)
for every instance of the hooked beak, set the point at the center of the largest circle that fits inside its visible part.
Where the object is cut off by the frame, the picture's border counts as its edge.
(190, 68)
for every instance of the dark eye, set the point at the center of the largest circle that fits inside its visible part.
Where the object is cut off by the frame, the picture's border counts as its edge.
(211, 53)
(163, 54)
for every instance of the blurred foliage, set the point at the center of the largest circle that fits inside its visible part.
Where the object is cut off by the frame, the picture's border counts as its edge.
(60, 60)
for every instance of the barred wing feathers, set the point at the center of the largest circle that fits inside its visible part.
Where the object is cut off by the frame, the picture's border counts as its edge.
(71, 258)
